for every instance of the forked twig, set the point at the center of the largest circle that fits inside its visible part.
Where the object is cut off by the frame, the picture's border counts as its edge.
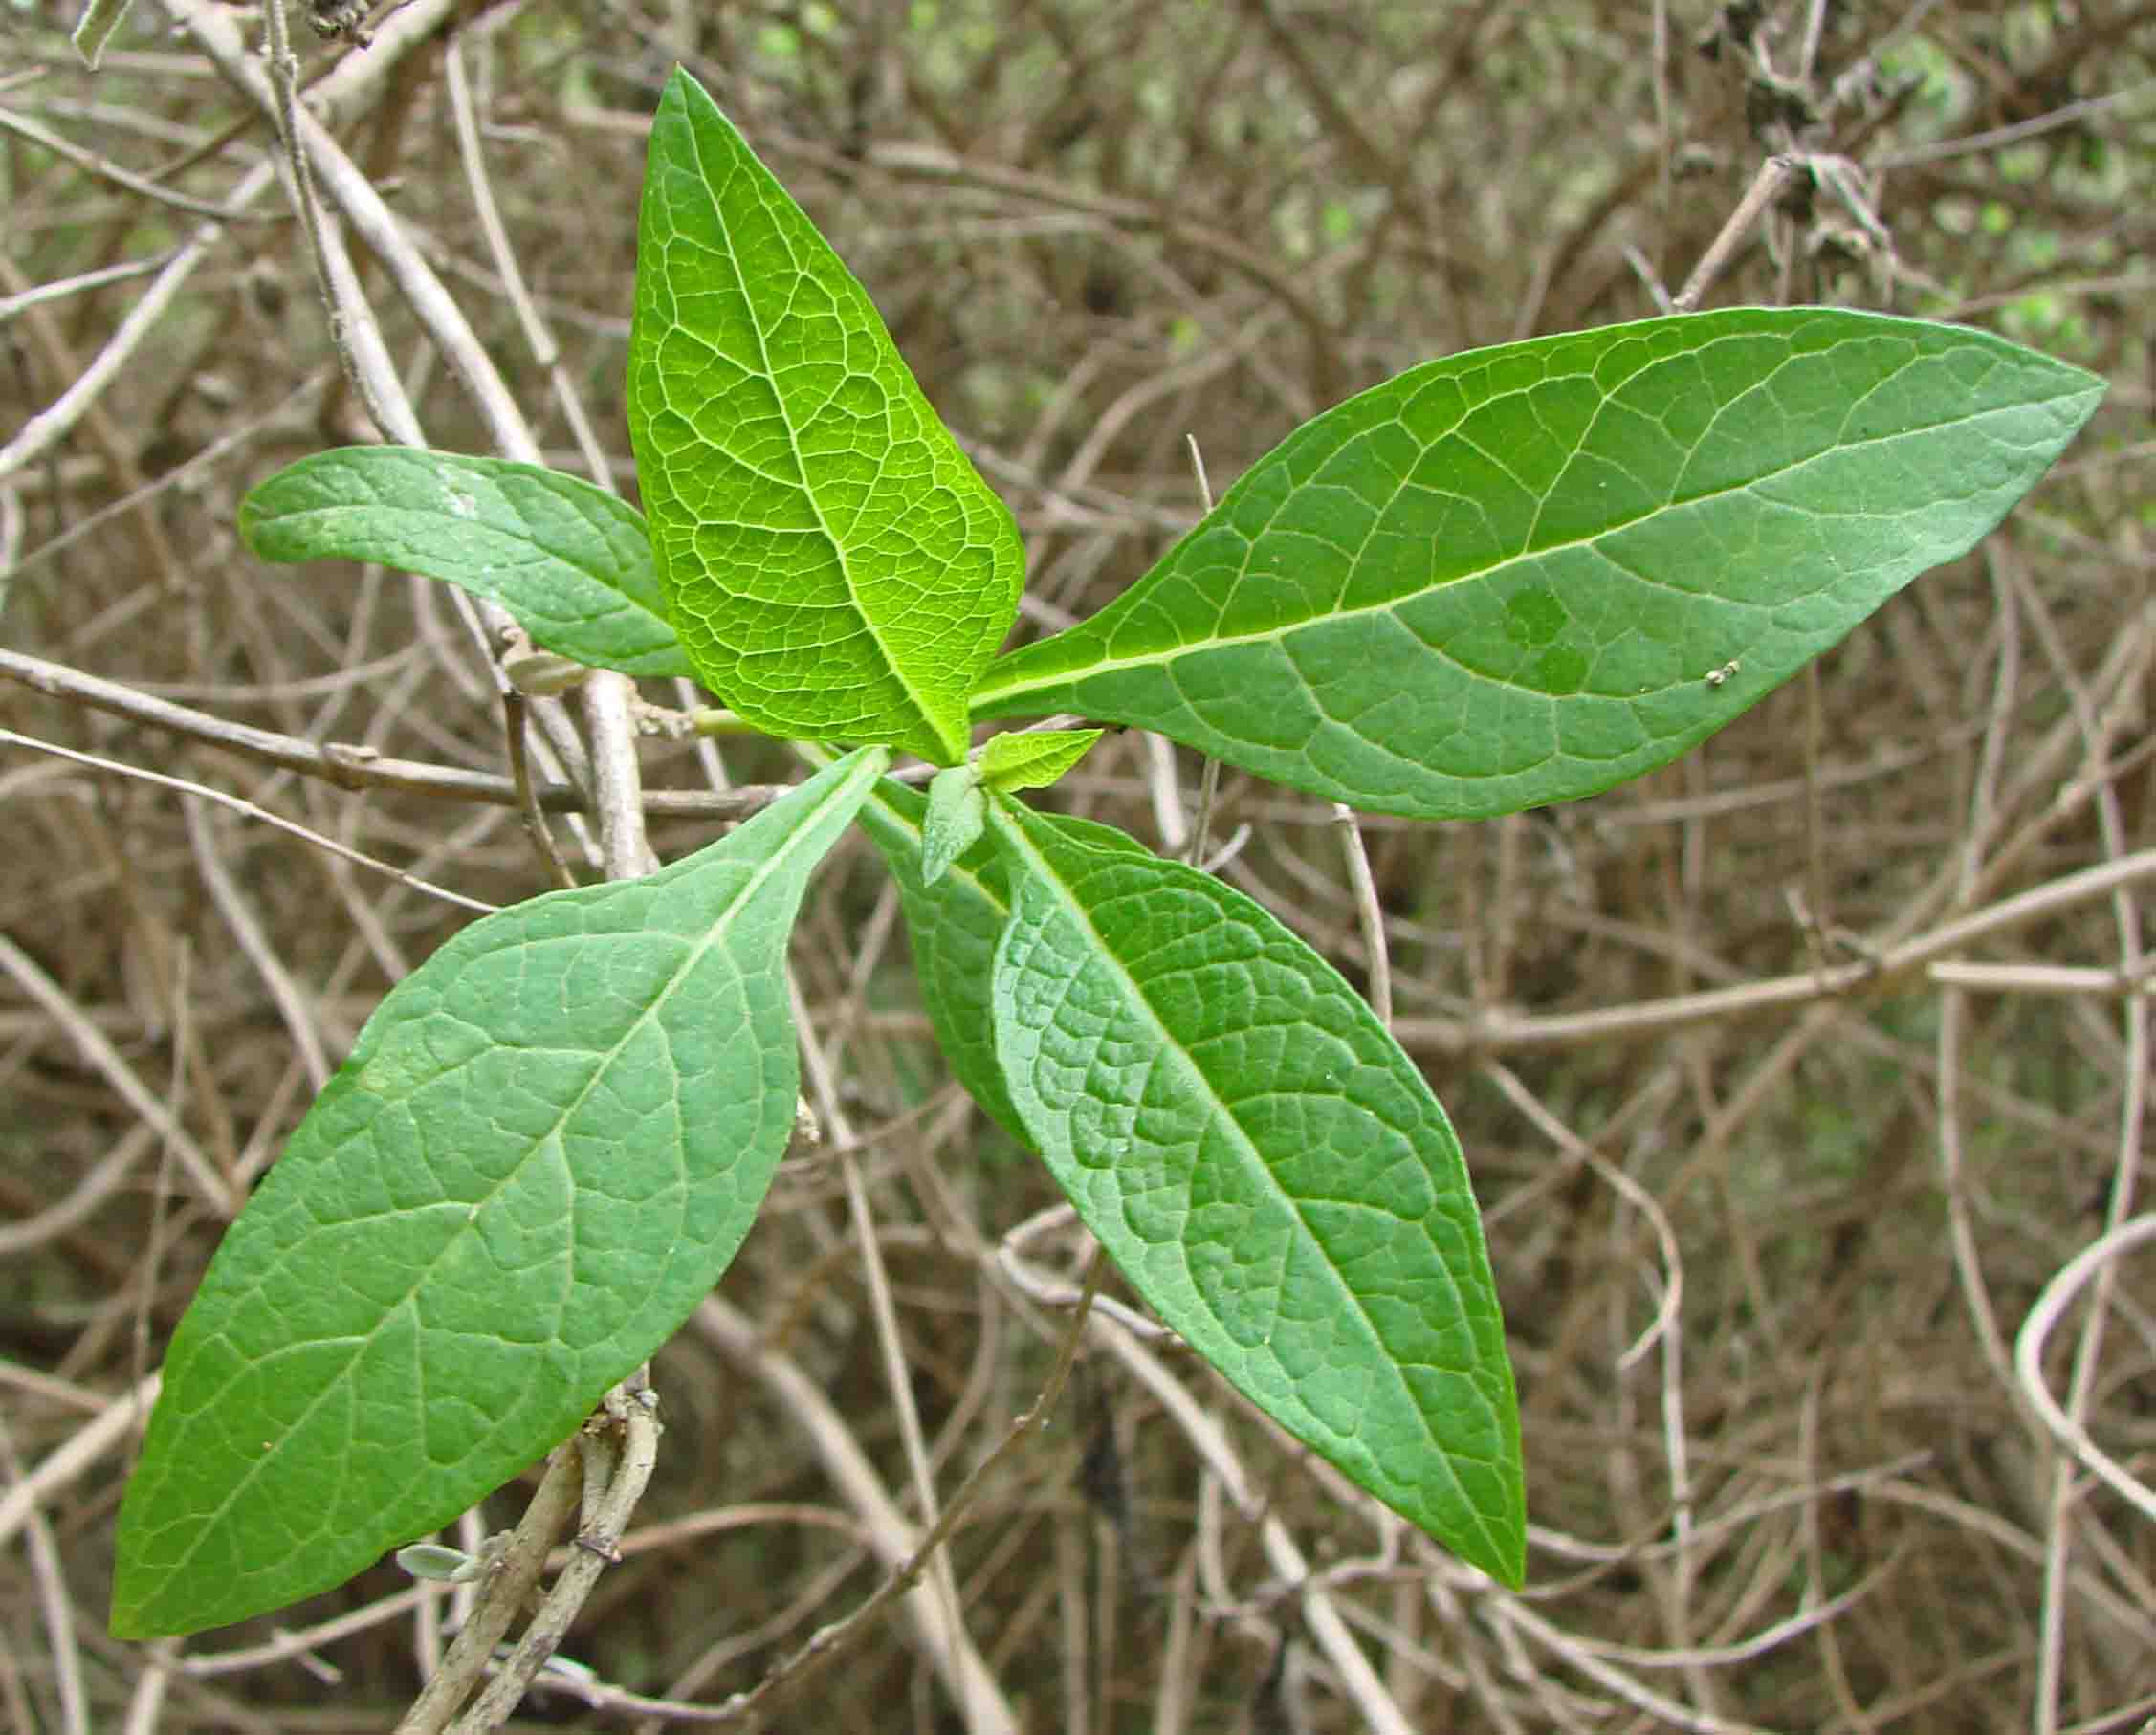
(1773, 175)
(632, 1415)
(515, 1576)
(827, 1645)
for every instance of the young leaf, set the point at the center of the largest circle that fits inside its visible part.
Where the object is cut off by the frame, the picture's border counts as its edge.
(837, 568)
(569, 560)
(1269, 1169)
(1033, 758)
(952, 926)
(958, 813)
(1528, 573)
(545, 1147)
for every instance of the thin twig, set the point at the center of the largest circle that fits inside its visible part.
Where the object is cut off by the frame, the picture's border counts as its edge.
(241, 805)
(1888, 972)
(895, 1539)
(61, 288)
(75, 1456)
(545, 351)
(1999, 137)
(54, 1602)
(528, 810)
(254, 945)
(1358, 1680)
(80, 1200)
(284, 80)
(1773, 175)
(2099, 1256)
(827, 1646)
(137, 498)
(1369, 913)
(213, 1189)
(40, 135)
(51, 424)
(876, 1279)
(349, 765)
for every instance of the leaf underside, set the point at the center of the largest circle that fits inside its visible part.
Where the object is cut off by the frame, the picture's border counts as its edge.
(545, 1149)
(569, 560)
(1266, 1167)
(837, 568)
(1526, 574)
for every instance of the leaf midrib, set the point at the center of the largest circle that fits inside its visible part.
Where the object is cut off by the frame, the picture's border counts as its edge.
(543, 551)
(891, 665)
(989, 691)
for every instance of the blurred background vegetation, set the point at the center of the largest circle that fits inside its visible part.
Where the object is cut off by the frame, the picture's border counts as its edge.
(1764, 1258)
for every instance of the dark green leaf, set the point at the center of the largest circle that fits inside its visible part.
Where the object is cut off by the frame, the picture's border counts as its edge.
(1267, 1168)
(1530, 573)
(952, 926)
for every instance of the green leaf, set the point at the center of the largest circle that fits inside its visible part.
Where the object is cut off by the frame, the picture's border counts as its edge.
(95, 28)
(545, 1149)
(1528, 573)
(952, 926)
(569, 560)
(958, 813)
(1267, 1168)
(1033, 758)
(441, 1564)
(837, 568)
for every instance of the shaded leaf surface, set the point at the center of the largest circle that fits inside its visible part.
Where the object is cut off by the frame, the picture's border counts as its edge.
(953, 925)
(958, 813)
(1528, 573)
(1266, 1167)
(545, 1149)
(837, 568)
(568, 560)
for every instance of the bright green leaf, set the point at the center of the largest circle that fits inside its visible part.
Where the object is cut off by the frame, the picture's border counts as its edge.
(958, 813)
(1033, 758)
(1266, 1167)
(1528, 573)
(545, 1149)
(569, 560)
(838, 570)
